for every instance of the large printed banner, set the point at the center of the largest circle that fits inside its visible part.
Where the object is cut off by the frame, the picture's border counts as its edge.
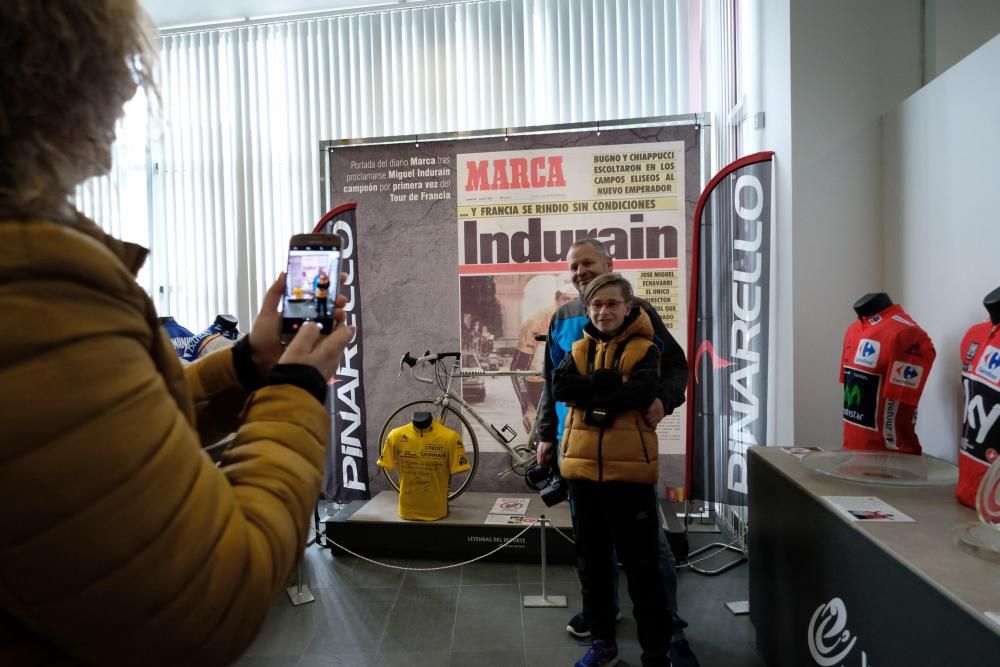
(730, 329)
(518, 214)
(463, 245)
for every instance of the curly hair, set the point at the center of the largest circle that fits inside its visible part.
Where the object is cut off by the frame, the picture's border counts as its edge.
(67, 67)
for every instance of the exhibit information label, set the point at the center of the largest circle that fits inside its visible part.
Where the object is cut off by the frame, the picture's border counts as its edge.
(866, 508)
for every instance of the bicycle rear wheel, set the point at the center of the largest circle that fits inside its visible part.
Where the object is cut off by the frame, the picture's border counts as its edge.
(448, 416)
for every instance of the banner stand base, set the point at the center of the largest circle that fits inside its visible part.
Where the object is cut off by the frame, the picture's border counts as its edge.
(722, 547)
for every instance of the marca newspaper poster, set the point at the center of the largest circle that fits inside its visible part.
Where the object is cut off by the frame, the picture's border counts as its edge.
(438, 277)
(518, 213)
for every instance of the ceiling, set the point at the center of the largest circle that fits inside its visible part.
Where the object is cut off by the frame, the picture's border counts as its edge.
(168, 13)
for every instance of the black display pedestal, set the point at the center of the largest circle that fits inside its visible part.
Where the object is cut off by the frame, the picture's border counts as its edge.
(373, 529)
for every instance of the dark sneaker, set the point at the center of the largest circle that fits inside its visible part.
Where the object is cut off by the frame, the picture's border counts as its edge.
(681, 655)
(578, 626)
(601, 654)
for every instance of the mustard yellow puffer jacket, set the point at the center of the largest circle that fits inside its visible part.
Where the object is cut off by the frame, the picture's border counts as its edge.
(620, 374)
(120, 542)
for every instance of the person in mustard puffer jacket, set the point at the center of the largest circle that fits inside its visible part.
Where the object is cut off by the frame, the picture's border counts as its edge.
(121, 543)
(610, 457)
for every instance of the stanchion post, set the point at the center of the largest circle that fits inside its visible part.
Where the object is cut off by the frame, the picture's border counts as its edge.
(299, 593)
(544, 600)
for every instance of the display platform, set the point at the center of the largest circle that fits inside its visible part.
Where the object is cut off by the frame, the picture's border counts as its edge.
(372, 528)
(827, 588)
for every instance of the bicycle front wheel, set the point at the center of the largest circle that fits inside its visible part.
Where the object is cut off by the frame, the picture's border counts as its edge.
(448, 416)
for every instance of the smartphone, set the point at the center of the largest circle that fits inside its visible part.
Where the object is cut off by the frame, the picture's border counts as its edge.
(311, 281)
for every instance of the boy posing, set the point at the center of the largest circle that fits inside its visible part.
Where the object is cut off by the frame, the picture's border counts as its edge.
(610, 458)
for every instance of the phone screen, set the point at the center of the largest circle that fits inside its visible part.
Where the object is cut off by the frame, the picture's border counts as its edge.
(311, 282)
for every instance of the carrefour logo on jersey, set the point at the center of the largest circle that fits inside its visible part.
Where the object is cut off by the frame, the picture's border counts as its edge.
(867, 354)
(989, 364)
(906, 375)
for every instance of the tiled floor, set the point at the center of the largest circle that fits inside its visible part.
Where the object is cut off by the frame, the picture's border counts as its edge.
(366, 616)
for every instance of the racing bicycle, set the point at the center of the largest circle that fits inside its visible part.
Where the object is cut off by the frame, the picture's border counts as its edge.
(451, 410)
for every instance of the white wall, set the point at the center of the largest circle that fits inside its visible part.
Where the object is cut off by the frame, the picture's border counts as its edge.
(851, 62)
(956, 28)
(775, 98)
(941, 220)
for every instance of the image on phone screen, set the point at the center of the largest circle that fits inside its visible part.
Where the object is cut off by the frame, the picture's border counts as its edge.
(312, 277)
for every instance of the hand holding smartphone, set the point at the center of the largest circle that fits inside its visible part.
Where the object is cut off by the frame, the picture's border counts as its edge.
(311, 281)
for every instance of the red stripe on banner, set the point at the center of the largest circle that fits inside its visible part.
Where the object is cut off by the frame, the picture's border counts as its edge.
(559, 267)
(763, 156)
(331, 214)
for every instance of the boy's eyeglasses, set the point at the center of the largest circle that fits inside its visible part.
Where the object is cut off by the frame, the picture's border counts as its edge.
(612, 305)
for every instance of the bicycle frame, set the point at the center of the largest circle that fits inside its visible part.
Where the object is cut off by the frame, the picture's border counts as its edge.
(446, 397)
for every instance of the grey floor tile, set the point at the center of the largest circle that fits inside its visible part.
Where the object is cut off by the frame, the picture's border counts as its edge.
(497, 597)
(423, 619)
(266, 661)
(414, 659)
(355, 620)
(321, 570)
(362, 607)
(545, 627)
(554, 657)
(451, 576)
(489, 618)
(288, 630)
(371, 575)
(729, 654)
(531, 573)
(488, 573)
(344, 660)
(495, 658)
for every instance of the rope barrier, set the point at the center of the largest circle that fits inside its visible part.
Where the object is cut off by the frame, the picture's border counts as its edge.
(505, 544)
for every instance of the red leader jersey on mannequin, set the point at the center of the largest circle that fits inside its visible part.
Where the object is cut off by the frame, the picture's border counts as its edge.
(884, 367)
(980, 443)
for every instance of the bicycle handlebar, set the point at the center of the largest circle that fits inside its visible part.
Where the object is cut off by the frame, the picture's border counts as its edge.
(412, 362)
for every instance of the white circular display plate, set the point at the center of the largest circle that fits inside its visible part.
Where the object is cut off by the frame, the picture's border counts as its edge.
(979, 540)
(883, 468)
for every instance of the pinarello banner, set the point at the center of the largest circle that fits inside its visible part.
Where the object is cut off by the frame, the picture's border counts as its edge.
(730, 328)
(346, 475)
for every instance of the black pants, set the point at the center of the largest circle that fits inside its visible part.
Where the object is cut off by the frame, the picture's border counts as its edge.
(621, 516)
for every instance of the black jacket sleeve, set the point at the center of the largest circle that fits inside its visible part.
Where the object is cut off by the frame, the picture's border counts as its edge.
(673, 364)
(642, 388)
(609, 391)
(569, 386)
(546, 417)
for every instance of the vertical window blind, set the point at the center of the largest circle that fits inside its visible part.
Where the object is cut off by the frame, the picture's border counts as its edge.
(231, 168)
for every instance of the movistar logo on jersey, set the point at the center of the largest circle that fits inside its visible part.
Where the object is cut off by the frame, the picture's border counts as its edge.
(861, 395)
(906, 375)
(989, 364)
(852, 396)
(867, 354)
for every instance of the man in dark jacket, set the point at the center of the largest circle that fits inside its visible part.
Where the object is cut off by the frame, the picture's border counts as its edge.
(587, 259)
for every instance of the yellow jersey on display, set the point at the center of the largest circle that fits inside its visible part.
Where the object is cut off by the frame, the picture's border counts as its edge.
(425, 460)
